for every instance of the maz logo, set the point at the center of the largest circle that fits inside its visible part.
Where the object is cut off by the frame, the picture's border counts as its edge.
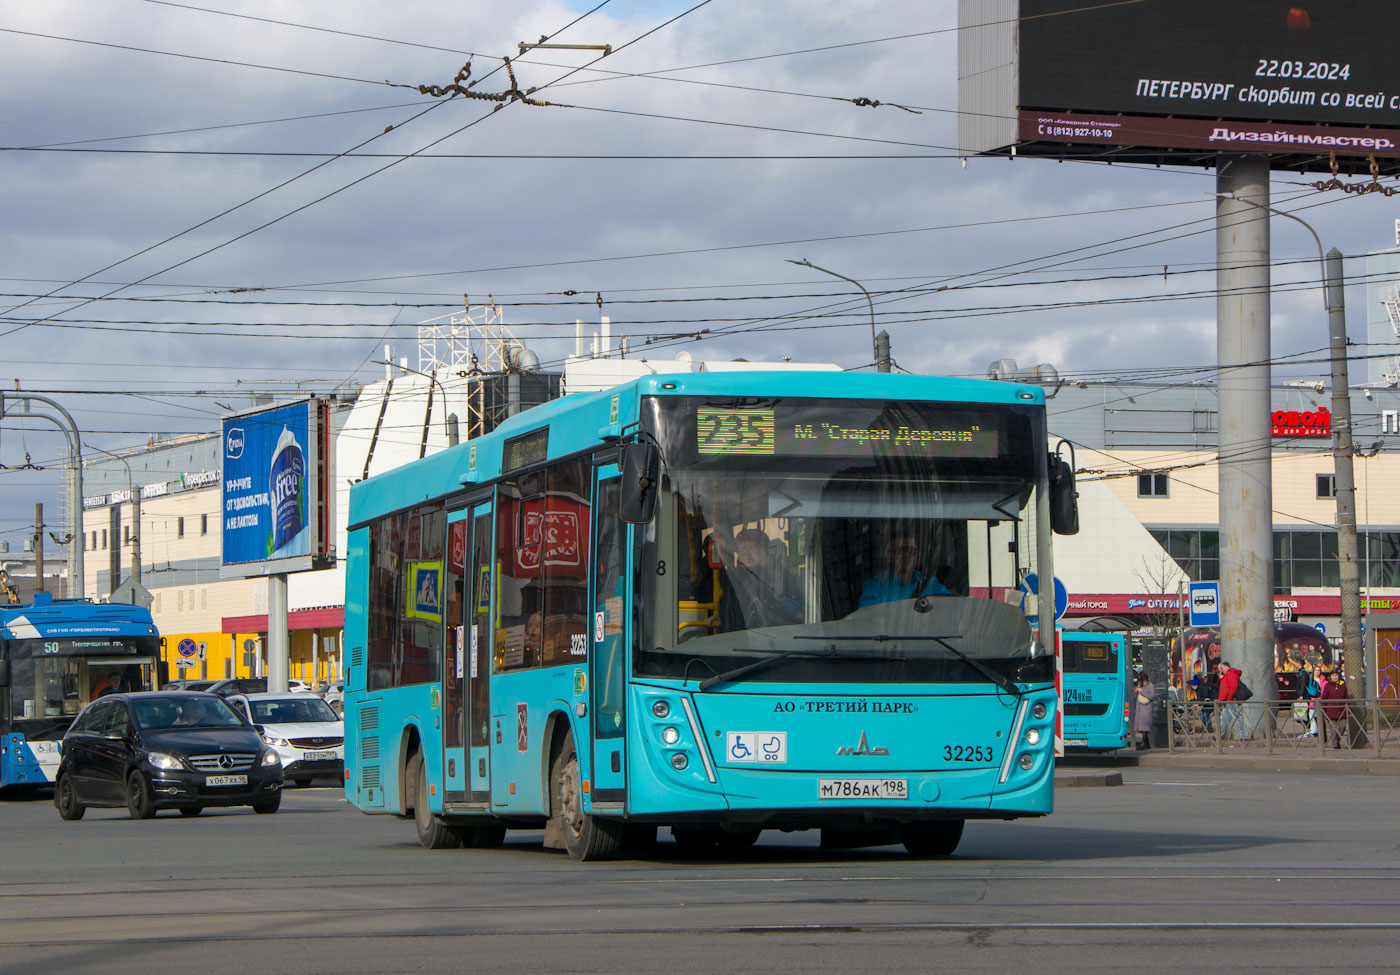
(234, 447)
(862, 748)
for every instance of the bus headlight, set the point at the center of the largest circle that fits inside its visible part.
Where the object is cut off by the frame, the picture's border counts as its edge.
(679, 762)
(1038, 710)
(660, 708)
(670, 734)
(1032, 736)
(162, 760)
(1026, 762)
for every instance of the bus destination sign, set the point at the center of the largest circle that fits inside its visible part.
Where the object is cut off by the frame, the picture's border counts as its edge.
(802, 431)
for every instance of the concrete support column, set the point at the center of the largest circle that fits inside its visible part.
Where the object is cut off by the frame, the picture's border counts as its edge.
(278, 637)
(1246, 481)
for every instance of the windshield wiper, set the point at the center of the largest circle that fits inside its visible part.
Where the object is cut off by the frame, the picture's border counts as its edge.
(1003, 682)
(768, 661)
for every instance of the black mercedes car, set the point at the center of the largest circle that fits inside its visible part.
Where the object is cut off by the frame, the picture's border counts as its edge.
(165, 750)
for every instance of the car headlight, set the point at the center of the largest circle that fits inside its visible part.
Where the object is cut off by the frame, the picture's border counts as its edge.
(271, 758)
(278, 742)
(162, 760)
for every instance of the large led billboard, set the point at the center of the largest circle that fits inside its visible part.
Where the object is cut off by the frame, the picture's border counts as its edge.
(1180, 80)
(275, 479)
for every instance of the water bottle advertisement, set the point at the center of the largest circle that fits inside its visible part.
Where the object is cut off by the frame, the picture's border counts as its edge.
(269, 487)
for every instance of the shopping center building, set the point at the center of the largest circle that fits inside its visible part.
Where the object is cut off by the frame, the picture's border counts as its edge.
(1149, 498)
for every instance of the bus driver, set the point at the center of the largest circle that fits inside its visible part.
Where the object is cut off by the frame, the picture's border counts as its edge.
(902, 580)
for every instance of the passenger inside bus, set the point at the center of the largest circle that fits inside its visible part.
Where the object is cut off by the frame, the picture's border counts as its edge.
(759, 587)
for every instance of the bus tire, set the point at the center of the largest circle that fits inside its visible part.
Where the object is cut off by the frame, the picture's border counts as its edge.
(433, 834)
(138, 797)
(65, 797)
(585, 837)
(931, 838)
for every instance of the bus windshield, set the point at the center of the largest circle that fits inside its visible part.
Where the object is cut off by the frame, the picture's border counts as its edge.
(879, 541)
(52, 678)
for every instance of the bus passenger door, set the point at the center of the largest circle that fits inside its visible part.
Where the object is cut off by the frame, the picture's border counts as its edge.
(477, 669)
(466, 759)
(608, 661)
(456, 597)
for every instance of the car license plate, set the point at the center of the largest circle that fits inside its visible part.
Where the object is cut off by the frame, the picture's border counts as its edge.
(862, 788)
(317, 756)
(226, 780)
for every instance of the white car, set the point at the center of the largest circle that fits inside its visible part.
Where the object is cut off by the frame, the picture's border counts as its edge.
(304, 731)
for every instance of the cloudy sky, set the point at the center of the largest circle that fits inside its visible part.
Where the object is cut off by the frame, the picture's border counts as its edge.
(208, 197)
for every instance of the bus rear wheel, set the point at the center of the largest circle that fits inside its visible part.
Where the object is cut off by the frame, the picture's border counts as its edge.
(931, 838)
(432, 833)
(585, 837)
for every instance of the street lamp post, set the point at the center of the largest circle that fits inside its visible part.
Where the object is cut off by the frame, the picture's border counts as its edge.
(1342, 446)
(882, 353)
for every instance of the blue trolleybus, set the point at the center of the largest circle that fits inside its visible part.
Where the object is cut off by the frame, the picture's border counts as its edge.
(1096, 675)
(715, 602)
(55, 656)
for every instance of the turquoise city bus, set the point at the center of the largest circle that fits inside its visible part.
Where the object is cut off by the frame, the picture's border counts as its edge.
(714, 602)
(1097, 683)
(56, 655)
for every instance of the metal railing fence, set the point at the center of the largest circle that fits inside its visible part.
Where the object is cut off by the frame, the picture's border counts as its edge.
(1363, 725)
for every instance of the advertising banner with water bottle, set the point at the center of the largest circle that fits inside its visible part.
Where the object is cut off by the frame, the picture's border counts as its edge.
(272, 510)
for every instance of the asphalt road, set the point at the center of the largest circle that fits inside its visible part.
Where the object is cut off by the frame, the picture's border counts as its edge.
(1177, 870)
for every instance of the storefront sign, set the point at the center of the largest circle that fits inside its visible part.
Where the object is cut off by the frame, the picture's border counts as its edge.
(1313, 423)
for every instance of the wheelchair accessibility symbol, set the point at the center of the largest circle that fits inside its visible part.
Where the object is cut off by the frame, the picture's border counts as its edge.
(757, 747)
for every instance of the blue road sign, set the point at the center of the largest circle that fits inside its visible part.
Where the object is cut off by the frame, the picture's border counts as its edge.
(1205, 603)
(1032, 585)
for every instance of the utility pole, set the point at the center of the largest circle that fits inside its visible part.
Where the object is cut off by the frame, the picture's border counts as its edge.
(39, 547)
(136, 535)
(882, 352)
(1343, 449)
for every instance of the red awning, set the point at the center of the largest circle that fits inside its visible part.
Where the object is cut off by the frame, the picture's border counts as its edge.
(324, 618)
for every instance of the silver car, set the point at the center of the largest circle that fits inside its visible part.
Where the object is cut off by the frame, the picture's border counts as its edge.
(334, 695)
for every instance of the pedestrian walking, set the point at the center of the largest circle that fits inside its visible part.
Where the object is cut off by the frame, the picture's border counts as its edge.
(1231, 718)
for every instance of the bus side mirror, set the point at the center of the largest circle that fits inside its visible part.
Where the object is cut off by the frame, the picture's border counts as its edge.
(4, 673)
(1064, 499)
(641, 469)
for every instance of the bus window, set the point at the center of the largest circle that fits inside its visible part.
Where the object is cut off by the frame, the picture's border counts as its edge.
(1083, 657)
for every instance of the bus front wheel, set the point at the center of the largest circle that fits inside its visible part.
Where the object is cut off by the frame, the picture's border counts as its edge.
(432, 833)
(585, 837)
(931, 838)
